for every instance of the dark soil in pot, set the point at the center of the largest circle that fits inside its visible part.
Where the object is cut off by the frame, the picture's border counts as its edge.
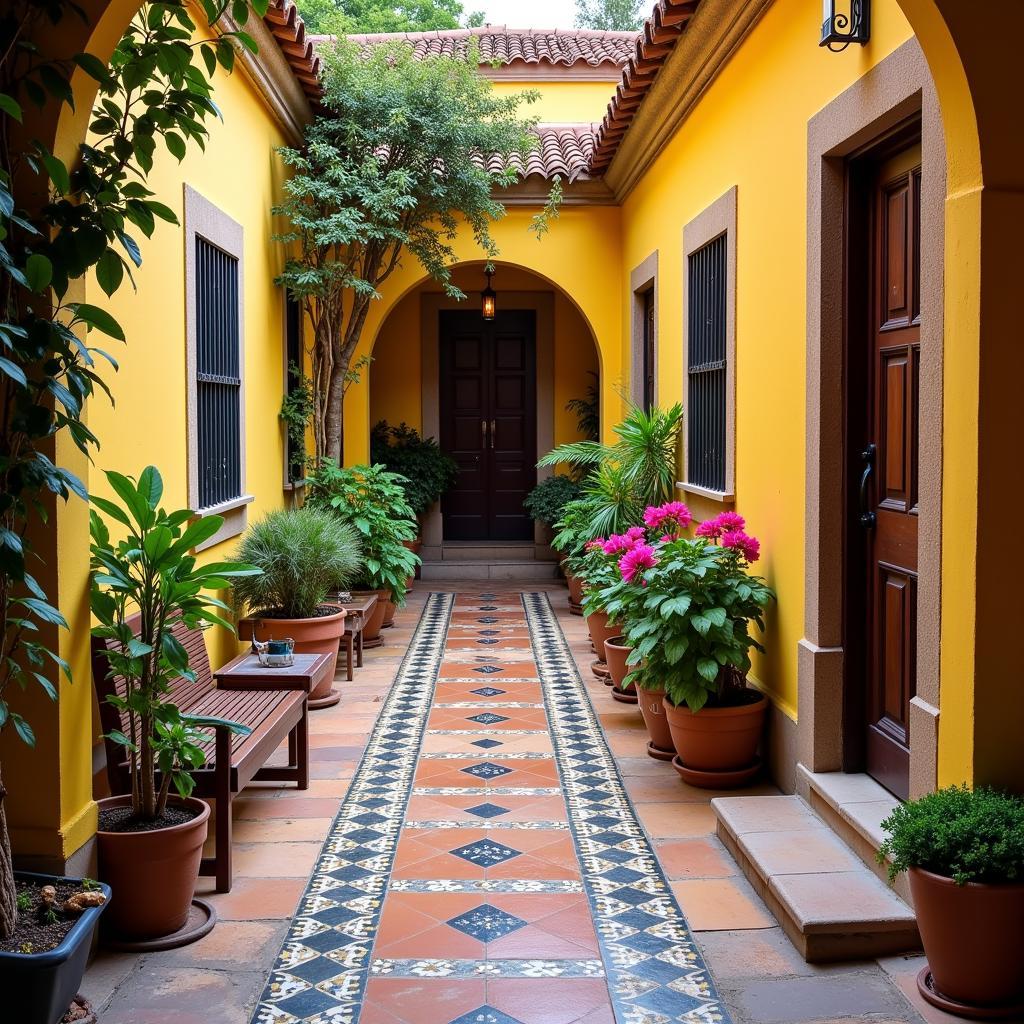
(34, 929)
(973, 935)
(153, 872)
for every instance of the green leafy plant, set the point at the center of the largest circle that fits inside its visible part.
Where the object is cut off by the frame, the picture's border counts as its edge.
(373, 501)
(427, 471)
(641, 463)
(304, 554)
(57, 221)
(693, 636)
(964, 834)
(351, 16)
(24, 902)
(613, 15)
(588, 410)
(547, 502)
(296, 415)
(150, 572)
(390, 167)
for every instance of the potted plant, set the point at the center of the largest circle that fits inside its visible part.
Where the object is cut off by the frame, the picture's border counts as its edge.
(693, 641)
(149, 844)
(546, 503)
(372, 500)
(41, 974)
(964, 853)
(304, 554)
(572, 532)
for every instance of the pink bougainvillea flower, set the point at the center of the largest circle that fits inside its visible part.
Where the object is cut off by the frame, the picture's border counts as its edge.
(636, 560)
(594, 545)
(748, 547)
(724, 522)
(618, 542)
(667, 538)
(709, 529)
(672, 513)
(636, 533)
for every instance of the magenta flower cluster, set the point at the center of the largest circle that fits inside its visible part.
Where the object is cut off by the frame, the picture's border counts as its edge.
(673, 515)
(636, 560)
(728, 529)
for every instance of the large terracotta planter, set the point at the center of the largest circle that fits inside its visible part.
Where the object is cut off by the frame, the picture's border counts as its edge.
(389, 615)
(575, 591)
(152, 874)
(652, 709)
(414, 546)
(717, 747)
(375, 620)
(973, 936)
(616, 651)
(312, 636)
(597, 623)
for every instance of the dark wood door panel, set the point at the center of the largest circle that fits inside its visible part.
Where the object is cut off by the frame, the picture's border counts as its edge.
(488, 423)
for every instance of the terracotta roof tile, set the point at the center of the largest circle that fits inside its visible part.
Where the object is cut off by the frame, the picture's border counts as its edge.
(285, 22)
(652, 46)
(499, 44)
(565, 150)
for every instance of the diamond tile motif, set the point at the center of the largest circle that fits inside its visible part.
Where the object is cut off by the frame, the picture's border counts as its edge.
(488, 691)
(490, 632)
(487, 669)
(488, 607)
(487, 810)
(485, 1015)
(487, 744)
(487, 770)
(486, 923)
(488, 619)
(487, 718)
(487, 642)
(485, 854)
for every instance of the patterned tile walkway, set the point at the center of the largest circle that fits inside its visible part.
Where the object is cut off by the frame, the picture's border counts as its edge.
(494, 834)
(487, 866)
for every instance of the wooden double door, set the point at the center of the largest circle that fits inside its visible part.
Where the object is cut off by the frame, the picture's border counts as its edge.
(883, 373)
(488, 406)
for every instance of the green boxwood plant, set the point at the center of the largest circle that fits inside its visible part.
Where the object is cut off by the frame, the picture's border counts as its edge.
(427, 471)
(963, 834)
(373, 501)
(547, 502)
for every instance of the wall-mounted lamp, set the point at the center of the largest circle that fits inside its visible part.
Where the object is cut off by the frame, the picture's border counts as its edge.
(845, 22)
(488, 298)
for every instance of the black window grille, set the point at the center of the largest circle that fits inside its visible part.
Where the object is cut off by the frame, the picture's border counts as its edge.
(293, 379)
(218, 376)
(706, 370)
(650, 342)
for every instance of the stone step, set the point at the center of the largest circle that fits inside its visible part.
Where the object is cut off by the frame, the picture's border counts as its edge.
(829, 903)
(489, 570)
(471, 552)
(854, 807)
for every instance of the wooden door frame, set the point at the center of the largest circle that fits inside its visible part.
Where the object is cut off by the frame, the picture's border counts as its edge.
(890, 94)
(431, 305)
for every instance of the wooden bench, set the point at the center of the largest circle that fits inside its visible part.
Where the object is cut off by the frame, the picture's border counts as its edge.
(232, 760)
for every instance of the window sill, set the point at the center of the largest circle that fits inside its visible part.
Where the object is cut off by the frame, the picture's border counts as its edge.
(235, 513)
(725, 497)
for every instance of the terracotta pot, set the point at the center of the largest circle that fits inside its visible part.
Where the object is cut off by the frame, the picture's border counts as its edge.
(152, 874)
(389, 614)
(597, 623)
(414, 546)
(312, 636)
(717, 739)
(653, 711)
(575, 588)
(972, 935)
(375, 620)
(616, 652)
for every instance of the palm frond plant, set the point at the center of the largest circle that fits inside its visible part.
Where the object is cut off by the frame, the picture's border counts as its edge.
(587, 410)
(643, 457)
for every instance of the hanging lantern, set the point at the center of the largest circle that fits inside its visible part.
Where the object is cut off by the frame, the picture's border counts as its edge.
(489, 299)
(845, 22)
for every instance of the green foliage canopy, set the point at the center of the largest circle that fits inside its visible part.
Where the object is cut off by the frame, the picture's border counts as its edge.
(347, 17)
(611, 15)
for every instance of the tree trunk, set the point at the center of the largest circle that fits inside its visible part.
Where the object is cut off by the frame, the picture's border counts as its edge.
(334, 426)
(8, 890)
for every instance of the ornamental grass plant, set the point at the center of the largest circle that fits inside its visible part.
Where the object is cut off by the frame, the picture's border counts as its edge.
(305, 554)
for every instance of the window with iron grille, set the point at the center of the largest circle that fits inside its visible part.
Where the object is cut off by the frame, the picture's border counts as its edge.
(650, 350)
(706, 453)
(218, 376)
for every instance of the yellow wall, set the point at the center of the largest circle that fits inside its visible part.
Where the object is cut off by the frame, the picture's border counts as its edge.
(750, 131)
(563, 100)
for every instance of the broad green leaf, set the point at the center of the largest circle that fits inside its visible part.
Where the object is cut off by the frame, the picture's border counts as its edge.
(38, 272)
(98, 318)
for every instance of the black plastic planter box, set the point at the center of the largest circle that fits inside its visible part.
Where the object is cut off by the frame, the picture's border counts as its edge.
(38, 987)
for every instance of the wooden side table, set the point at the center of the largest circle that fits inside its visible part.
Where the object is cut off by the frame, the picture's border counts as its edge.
(246, 673)
(358, 613)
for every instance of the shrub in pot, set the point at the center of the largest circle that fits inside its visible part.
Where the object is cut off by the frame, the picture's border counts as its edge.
(964, 853)
(573, 529)
(693, 641)
(372, 500)
(546, 503)
(426, 471)
(304, 555)
(149, 843)
(596, 568)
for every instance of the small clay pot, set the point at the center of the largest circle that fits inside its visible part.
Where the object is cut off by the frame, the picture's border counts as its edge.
(152, 874)
(616, 651)
(374, 621)
(597, 623)
(389, 615)
(972, 935)
(575, 588)
(717, 740)
(312, 636)
(653, 711)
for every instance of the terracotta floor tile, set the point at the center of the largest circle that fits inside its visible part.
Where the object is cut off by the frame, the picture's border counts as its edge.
(695, 858)
(676, 821)
(253, 899)
(276, 860)
(422, 1001)
(721, 904)
(551, 1000)
(282, 830)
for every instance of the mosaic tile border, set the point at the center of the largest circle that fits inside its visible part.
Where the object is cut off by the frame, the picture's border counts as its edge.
(460, 969)
(656, 974)
(322, 970)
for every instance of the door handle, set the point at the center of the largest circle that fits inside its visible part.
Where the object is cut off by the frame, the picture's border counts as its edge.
(483, 433)
(868, 519)
(494, 424)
